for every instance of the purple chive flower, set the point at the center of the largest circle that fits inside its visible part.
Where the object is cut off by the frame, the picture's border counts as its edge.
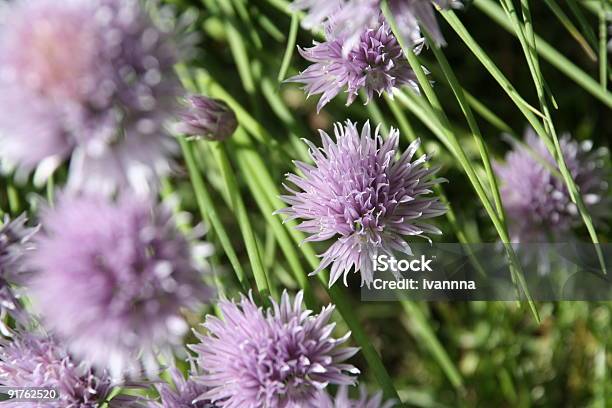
(111, 279)
(282, 357)
(535, 196)
(185, 393)
(32, 360)
(376, 65)
(88, 79)
(361, 193)
(209, 118)
(15, 244)
(343, 400)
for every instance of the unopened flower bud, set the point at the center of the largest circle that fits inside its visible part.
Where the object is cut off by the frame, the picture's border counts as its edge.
(205, 117)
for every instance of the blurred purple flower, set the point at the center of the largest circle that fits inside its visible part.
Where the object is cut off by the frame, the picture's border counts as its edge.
(15, 244)
(376, 65)
(279, 358)
(537, 201)
(111, 279)
(409, 14)
(342, 400)
(361, 192)
(204, 117)
(32, 360)
(91, 79)
(183, 395)
(318, 12)
(347, 19)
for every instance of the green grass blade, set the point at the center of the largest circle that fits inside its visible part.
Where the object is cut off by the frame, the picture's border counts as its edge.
(473, 125)
(248, 235)
(246, 158)
(427, 117)
(291, 39)
(408, 133)
(603, 47)
(209, 213)
(526, 36)
(428, 339)
(460, 29)
(586, 28)
(571, 28)
(549, 53)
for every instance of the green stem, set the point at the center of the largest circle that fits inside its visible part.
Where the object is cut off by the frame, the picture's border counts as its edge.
(427, 116)
(571, 28)
(408, 132)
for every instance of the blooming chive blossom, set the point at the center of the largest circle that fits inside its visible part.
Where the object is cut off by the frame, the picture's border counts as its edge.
(185, 393)
(535, 195)
(32, 360)
(360, 193)
(343, 400)
(279, 358)
(206, 117)
(376, 65)
(128, 273)
(15, 243)
(90, 80)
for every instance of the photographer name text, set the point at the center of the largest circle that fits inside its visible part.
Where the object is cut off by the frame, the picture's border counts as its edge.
(385, 263)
